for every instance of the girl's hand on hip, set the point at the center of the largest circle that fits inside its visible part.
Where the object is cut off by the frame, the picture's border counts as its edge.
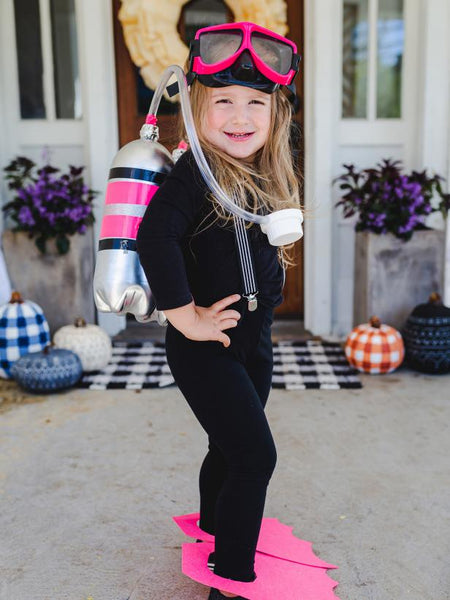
(211, 321)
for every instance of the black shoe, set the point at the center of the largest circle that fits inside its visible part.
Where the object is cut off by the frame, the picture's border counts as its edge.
(216, 595)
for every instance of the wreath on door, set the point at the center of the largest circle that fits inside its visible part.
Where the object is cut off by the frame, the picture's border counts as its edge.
(152, 39)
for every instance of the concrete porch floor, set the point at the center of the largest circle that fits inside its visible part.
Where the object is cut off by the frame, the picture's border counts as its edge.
(89, 481)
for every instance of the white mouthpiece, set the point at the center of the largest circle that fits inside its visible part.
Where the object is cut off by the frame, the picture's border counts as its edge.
(283, 226)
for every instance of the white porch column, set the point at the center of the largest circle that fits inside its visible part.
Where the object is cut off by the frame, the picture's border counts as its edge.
(322, 35)
(433, 149)
(100, 108)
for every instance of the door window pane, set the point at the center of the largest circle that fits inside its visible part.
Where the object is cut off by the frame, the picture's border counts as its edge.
(203, 13)
(390, 30)
(355, 59)
(65, 60)
(29, 59)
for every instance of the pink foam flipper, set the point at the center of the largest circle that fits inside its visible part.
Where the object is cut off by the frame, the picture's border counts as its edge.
(188, 525)
(276, 578)
(275, 539)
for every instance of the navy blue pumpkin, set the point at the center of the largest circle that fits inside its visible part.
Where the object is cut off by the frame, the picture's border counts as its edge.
(48, 371)
(427, 337)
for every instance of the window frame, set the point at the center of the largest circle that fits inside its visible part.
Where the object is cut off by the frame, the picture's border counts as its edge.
(48, 81)
(372, 58)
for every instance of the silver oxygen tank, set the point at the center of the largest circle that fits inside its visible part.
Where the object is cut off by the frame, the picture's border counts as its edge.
(137, 171)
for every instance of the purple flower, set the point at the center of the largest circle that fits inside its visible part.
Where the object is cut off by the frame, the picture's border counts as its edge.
(51, 218)
(418, 200)
(45, 155)
(379, 220)
(48, 203)
(25, 217)
(414, 188)
(387, 200)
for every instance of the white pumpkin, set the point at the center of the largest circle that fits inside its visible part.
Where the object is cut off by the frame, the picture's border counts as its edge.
(90, 342)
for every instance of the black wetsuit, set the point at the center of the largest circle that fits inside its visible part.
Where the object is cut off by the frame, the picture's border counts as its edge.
(227, 388)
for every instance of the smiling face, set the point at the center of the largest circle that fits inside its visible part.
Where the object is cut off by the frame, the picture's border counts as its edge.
(237, 120)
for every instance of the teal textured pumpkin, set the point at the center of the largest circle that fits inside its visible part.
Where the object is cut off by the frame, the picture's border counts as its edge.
(51, 370)
(427, 337)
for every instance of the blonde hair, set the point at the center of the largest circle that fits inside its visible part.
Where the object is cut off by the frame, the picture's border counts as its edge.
(267, 184)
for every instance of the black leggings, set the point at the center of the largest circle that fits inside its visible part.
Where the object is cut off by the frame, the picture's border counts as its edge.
(227, 389)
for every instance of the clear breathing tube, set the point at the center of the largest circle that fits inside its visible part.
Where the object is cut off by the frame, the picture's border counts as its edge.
(289, 230)
(194, 141)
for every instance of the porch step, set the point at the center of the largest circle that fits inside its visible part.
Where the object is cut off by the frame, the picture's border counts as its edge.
(282, 329)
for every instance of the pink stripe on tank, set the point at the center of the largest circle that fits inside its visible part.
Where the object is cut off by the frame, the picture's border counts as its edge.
(120, 226)
(129, 192)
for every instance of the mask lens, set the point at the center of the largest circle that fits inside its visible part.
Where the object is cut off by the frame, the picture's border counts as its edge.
(275, 54)
(220, 45)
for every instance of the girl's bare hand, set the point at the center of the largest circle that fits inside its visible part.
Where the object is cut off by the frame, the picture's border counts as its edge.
(211, 321)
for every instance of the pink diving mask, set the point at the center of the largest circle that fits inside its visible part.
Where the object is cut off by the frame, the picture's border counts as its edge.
(242, 54)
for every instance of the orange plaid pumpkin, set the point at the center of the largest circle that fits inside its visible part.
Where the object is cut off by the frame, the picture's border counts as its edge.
(375, 348)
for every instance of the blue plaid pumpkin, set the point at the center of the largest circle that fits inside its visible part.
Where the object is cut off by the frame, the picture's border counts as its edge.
(23, 329)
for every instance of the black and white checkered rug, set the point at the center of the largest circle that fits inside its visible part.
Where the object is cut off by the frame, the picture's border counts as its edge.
(297, 366)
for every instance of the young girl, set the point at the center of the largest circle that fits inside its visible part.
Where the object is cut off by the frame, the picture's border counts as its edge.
(218, 345)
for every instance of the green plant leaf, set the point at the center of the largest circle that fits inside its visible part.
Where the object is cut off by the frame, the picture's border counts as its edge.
(62, 244)
(41, 242)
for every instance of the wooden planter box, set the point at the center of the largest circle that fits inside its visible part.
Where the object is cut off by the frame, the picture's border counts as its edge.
(61, 285)
(392, 276)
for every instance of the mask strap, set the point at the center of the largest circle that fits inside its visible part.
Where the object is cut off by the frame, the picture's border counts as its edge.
(292, 97)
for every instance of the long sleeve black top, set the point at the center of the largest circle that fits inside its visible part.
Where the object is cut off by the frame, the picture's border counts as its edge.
(186, 258)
